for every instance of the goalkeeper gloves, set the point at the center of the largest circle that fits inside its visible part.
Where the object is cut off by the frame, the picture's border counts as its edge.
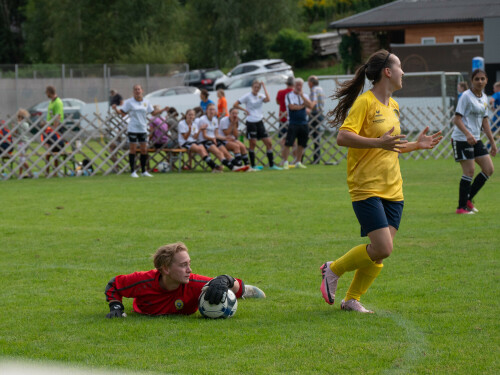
(217, 289)
(116, 310)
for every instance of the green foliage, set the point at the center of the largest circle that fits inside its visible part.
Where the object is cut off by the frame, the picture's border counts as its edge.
(350, 52)
(145, 51)
(220, 30)
(436, 300)
(11, 19)
(257, 47)
(292, 46)
(206, 33)
(94, 31)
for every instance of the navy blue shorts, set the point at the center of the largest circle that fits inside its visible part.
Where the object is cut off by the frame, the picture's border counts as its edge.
(375, 213)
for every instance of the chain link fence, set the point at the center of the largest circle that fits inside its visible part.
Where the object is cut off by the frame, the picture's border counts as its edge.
(22, 86)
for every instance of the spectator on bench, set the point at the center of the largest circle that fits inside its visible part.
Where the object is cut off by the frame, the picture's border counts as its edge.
(209, 125)
(188, 135)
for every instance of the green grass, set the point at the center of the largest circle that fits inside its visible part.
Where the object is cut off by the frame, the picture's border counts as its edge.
(436, 300)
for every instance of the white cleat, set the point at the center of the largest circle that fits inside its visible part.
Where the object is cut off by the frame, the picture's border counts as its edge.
(134, 175)
(253, 292)
(146, 174)
(354, 305)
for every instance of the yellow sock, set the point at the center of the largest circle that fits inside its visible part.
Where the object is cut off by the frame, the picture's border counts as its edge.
(363, 278)
(355, 258)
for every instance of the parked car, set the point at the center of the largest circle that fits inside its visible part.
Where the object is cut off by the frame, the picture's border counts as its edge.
(177, 90)
(72, 112)
(72, 107)
(273, 78)
(202, 78)
(253, 68)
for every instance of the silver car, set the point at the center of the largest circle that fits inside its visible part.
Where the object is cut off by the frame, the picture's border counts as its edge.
(252, 68)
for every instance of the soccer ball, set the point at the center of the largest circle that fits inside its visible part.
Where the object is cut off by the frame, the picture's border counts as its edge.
(225, 309)
(164, 167)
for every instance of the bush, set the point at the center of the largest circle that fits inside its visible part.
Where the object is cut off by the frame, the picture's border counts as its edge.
(292, 46)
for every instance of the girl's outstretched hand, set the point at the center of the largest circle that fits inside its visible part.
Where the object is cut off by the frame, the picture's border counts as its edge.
(425, 141)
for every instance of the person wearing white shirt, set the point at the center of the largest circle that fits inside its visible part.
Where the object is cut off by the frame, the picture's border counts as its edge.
(137, 110)
(297, 104)
(188, 137)
(255, 126)
(228, 136)
(209, 127)
(471, 115)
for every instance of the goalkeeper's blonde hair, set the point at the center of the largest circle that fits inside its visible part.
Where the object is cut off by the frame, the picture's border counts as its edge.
(165, 254)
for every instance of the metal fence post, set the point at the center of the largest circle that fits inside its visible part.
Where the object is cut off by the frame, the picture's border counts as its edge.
(105, 80)
(443, 98)
(63, 73)
(147, 77)
(16, 68)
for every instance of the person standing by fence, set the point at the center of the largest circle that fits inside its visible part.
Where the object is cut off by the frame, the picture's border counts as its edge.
(297, 104)
(316, 117)
(22, 134)
(371, 130)
(471, 115)
(137, 109)
(255, 126)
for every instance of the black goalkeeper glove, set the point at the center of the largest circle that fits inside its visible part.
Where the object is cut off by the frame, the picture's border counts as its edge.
(217, 289)
(116, 310)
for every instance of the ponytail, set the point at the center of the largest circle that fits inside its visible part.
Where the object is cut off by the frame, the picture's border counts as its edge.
(348, 91)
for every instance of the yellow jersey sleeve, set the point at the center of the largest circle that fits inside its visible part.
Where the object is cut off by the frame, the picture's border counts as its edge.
(373, 172)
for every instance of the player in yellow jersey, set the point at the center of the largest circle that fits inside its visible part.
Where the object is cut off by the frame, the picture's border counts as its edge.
(372, 133)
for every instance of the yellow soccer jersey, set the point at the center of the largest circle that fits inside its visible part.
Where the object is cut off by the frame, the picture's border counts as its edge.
(373, 172)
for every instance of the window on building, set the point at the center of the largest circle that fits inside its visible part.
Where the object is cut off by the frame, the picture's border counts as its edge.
(428, 40)
(466, 39)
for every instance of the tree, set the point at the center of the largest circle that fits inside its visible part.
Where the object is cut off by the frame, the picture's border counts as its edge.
(11, 18)
(350, 52)
(294, 47)
(220, 30)
(94, 31)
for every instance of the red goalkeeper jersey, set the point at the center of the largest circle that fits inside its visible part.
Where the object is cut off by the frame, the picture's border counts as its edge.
(151, 299)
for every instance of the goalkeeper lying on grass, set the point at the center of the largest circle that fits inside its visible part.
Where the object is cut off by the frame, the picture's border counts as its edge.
(171, 288)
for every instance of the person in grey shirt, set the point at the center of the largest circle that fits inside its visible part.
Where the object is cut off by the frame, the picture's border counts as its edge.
(316, 116)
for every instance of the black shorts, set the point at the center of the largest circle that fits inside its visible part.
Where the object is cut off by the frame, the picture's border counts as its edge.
(137, 137)
(220, 143)
(299, 132)
(464, 151)
(256, 130)
(187, 145)
(376, 213)
(283, 129)
(206, 144)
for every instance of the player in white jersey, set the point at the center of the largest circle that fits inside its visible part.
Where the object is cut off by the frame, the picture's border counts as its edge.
(228, 136)
(188, 137)
(471, 115)
(137, 109)
(255, 126)
(209, 127)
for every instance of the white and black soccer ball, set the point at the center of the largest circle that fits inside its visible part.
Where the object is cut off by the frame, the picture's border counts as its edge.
(225, 309)
(163, 167)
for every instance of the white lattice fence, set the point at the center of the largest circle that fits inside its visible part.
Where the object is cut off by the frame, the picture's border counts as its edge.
(102, 144)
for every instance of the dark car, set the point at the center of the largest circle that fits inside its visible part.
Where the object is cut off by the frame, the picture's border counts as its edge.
(202, 78)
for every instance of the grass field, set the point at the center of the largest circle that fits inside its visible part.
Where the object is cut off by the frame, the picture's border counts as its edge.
(436, 300)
